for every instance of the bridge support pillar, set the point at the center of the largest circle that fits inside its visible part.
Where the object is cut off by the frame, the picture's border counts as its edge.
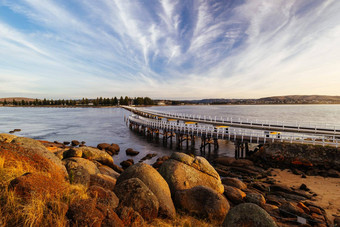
(192, 142)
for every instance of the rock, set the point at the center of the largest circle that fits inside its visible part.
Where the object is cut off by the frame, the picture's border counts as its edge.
(233, 194)
(242, 163)
(11, 132)
(72, 163)
(103, 146)
(125, 164)
(226, 161)
(303, 207)
(157, 164)
(203, 202)
(304, 187)
(35, 147)
(130, 217)
(79, 170)
(66, 142)
(82, 142)
(336, 221)
(182, 171)
(291, 208)
(103, 169)
(163, 158)
(17, 130)
(115, 147)
(37, 184)
(111, 150)
(272, 209)
(4, 137)
(75, 143)
(117, 168)
(248, 214)
(131, 152)
(110, 217)
(256, 198)
(60, 154)
(148, 156)
(234, 182)
(85, 213)
(134, 193)
(97, 155)
(72, 153)
(104, 181)
(155, 182)
(103, 196)
(333, 173)
(316, 210)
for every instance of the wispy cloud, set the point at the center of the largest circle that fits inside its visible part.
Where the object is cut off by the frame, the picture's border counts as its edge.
(173, 49)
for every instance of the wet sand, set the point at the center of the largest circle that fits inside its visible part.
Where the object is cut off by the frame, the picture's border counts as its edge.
(327, 189)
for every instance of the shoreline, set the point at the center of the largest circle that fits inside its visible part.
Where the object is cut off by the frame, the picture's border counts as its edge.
(278, 192)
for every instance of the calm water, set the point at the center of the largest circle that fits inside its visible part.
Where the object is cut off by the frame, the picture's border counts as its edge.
(99, 125)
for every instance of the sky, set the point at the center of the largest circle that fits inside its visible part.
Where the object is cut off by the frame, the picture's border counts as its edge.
(175, 49)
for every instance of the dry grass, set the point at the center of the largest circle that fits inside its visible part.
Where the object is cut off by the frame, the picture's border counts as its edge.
(41, 208)
(181, 220)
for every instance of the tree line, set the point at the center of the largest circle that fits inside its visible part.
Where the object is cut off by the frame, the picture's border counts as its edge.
(99, 101)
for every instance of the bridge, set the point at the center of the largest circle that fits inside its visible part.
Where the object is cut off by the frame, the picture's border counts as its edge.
(184, 128)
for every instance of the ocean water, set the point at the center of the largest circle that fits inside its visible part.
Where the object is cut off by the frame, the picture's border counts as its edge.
(106, 125)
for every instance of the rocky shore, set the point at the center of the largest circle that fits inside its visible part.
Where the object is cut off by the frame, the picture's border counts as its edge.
(55, 184)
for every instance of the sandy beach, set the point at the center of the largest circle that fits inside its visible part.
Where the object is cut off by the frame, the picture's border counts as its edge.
(327, 189)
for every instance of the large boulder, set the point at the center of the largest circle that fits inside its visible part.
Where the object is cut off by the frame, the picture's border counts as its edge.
(4, 137)
(130, 217)
(248, 214)
(155, 182)
(108, 171)
(203, 202)
(134, 193)
(104, 181)
(97, 155)
(35, 147)
(255, 198)
(233, 194)
(85, 213)
(79, 170)
(182, 171)
(37, 184)
(72, 153)
(111, 218)
(103, 196)
(234, 182)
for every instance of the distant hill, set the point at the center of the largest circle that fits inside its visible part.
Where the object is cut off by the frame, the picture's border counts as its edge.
(16, 99)
(312, 99)
(288, 99)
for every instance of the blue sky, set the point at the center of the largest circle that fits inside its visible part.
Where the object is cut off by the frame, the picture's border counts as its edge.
(181, 49)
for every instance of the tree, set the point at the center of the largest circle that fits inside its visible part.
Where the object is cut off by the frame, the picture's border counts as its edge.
(121, 100)
(5, 102)
(115, 101)
(139, 101)
(148, 101)
(126, 100)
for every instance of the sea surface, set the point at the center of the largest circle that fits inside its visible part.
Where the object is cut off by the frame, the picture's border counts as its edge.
(106, 125)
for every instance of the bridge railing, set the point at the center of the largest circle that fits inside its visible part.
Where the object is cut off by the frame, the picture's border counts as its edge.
(235, 133)
(251, 122)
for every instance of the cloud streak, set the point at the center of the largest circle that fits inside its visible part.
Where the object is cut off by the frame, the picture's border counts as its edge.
(169, 49)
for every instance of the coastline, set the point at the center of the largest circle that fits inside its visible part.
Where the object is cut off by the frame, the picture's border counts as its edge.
(240, 182)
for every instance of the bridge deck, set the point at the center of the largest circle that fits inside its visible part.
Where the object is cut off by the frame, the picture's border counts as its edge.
(233, 134)
(275, 126)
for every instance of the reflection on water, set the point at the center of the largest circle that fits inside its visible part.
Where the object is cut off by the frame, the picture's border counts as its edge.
(106, 125)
